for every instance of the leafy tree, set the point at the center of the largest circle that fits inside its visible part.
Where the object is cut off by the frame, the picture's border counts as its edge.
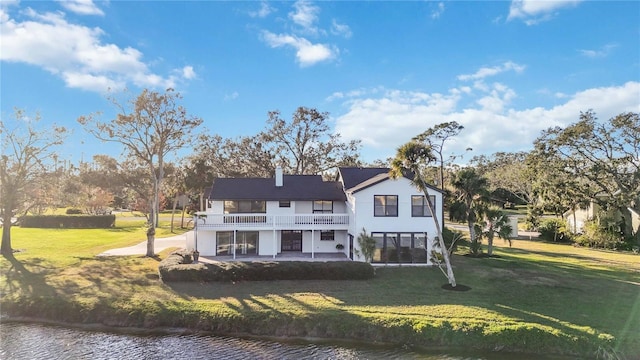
(470, 190)
(24, 157)
(152, 126)
(411, 158)
(493, 222)
(605, 156)
(508, 171)
(305, 145)
(436, 137)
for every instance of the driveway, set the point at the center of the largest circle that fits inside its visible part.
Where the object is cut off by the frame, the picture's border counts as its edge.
(178, 241)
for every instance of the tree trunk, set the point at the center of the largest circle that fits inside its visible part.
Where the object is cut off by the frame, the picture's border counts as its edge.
(173, 211)
(490, 244)
(472, 237)
(443, 246)
(5, 248)
(151, 235)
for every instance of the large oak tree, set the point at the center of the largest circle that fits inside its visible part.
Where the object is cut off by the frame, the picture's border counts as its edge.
(604, 155)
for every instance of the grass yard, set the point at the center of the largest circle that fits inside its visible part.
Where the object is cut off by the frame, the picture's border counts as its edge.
(534, 297)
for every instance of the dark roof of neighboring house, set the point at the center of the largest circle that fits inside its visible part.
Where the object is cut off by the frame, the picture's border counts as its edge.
(356, 179)
(295, 187)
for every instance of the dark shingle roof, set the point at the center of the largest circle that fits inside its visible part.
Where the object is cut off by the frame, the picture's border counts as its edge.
(356, 179)
(295, 187)
(352, 176)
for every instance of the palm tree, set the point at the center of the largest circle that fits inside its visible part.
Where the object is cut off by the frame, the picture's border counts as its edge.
(412, 157)
(494, 222)
(470, 188)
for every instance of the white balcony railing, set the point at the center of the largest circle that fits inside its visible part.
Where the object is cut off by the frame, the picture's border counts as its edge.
(277, 222)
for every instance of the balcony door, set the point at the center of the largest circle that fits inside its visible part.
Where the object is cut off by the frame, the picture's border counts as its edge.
(291, 240)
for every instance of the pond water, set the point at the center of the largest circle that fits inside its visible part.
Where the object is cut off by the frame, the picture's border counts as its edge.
(33, 341)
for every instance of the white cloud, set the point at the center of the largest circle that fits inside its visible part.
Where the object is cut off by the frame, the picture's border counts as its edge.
(536, 11)
(82, 7)
(229, 97)
(492, 71)
(77, 54)
(602, 52)
(307, 53)
(263, 12)
(305, 15)
(435, 14)
(390, 119)
(303, 25)
(188, 72)
(340, 29)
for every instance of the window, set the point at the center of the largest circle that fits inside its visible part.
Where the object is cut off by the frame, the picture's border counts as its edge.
(323, 207)
(419, 206)
(244, 206)
(285, 203)
(385, 205)
(329, 235)
(224, 243)
(400, 247)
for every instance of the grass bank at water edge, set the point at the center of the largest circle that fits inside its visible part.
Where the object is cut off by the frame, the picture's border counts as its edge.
(534, 298)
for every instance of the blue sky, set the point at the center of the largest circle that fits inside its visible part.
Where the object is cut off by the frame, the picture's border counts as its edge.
(385, 71)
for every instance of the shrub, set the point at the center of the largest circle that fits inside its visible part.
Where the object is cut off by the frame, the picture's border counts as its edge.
(178, 267)
(554, 230)
(597, 236)
(73, 211)
(68, 221)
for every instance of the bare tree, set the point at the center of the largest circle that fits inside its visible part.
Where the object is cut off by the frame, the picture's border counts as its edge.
(436, 137)
(305, 145)
(24, 156)
(149, 127)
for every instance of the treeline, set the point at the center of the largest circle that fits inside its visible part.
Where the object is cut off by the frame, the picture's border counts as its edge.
(590, 161)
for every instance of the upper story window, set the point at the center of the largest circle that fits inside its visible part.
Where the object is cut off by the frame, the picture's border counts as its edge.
(419, 206)
(244, 206)
(285, 203)
(385, 205)
(323, 207)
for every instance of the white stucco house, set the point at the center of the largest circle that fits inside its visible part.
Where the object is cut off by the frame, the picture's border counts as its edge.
(289, 214)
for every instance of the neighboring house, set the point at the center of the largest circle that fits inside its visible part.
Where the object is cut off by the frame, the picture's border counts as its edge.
(304, 214)
(577, 218)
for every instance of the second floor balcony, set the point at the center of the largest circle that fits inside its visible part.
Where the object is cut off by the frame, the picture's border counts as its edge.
(259, 221)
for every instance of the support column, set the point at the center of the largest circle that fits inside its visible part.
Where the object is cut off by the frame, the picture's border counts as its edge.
(313, 235)
(234, 243)
(275, 244)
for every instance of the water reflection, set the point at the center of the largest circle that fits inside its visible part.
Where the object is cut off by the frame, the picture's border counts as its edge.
(31, 341)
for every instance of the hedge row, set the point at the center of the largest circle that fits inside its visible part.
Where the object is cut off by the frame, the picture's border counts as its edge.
(178, 266)
(68, 221)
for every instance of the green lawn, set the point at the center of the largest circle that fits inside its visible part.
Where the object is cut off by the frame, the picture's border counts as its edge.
(534, 297)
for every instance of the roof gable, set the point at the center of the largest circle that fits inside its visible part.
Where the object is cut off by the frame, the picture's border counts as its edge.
(357, 179)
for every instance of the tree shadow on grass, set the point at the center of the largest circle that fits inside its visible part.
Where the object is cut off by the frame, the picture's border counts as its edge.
(20, 279)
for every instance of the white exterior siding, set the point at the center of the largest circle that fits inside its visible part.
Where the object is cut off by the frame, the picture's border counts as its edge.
(361, 204)
(364, 209)
(401, 235)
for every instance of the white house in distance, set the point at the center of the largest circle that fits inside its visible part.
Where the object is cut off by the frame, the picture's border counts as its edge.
(289, 214)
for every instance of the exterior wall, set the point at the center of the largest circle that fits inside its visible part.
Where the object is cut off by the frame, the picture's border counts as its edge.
(361, 206)
(581, 217)
(269, 242)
